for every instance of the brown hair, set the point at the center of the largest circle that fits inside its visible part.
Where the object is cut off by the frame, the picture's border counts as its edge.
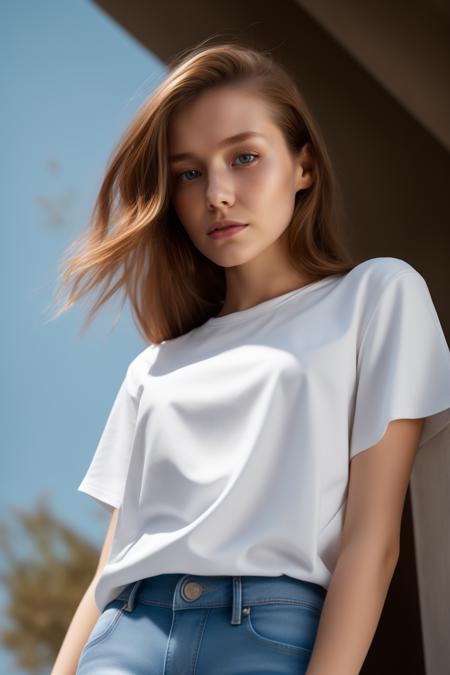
(134, 229)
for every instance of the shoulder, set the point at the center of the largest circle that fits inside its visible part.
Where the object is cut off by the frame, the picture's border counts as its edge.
(138, 368)
(387, 288)
(371, 277)
(380, 271)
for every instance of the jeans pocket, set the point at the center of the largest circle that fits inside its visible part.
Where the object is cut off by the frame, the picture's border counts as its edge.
(106, 622)
(289, 627)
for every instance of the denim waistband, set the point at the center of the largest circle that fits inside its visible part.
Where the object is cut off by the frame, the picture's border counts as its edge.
(191, 591)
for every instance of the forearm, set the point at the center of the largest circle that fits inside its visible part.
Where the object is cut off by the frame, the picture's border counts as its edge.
(351, 611)
(77, 634)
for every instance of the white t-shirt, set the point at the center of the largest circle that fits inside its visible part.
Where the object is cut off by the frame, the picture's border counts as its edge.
(227, 448)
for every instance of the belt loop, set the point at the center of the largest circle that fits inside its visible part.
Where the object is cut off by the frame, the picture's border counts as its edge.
(129, 604)
(237, 600)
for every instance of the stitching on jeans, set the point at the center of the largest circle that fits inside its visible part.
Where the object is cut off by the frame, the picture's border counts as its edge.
(167, 654)
(274, 644)
(107, 630)
(248, 603)
(197, 651)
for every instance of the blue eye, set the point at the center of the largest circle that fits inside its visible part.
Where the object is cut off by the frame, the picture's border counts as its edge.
(179, 176)
(247, 154)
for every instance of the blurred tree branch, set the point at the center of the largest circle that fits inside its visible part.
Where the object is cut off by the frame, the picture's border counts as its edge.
(44, 587)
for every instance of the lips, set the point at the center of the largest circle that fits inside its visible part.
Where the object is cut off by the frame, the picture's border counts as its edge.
(228, 231)
(224, 227)
(224, 224)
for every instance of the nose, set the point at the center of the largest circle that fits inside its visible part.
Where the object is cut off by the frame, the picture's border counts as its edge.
(219, 190)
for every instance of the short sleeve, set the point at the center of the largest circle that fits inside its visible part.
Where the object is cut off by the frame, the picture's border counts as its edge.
(403, 365)
(106, 475)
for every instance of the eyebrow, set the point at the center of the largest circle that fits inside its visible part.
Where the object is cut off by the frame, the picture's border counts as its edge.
(226, 141)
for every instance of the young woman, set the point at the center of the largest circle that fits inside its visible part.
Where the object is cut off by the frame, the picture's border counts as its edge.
(258, 451)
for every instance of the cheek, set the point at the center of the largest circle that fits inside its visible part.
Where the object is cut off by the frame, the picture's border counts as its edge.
(270, 180)
(179, 200)
(272, 198)
(185, 205)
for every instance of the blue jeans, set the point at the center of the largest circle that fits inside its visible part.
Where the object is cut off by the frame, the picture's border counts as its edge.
(188, 624)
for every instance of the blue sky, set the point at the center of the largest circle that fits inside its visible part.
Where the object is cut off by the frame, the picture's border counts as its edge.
(71, 80)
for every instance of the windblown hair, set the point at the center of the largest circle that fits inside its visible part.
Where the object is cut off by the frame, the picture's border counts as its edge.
(134, 231)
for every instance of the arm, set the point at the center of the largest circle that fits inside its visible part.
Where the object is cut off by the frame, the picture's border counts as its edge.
(85, 615)
(369, 551)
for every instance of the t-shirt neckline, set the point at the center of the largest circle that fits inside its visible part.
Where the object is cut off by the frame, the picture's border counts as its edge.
(270, 303)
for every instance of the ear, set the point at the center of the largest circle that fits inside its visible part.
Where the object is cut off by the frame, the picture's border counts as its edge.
(304, 166)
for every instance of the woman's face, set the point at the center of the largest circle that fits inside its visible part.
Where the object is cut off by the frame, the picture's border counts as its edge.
(252, 180)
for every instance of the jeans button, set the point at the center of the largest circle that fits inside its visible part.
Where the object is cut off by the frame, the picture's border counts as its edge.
(191, 591)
